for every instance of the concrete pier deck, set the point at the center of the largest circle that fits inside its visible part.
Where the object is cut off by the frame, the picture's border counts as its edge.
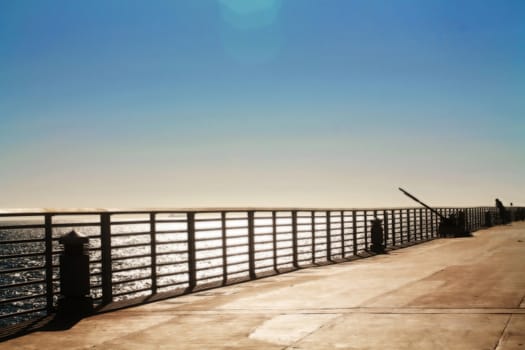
(463, 293)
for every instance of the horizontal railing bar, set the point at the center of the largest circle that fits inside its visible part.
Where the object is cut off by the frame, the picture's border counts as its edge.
(20, 284)
(130, 234)
(284, 256)
(208, 239)
(21, 313)
(305, 231)
(178, 241)
(307, 245)
(266, 241)
(27, 297)
(208, 229)
(21, 241)
(263, 267)
(131, 245)
(132, 292)
(185, 251)
(23, 255)
(163, 232)
(264, 258)
(183, 262)
(131, 222)
(238, 263)
(120, 258)
(210, 277)
(237, 254)
(170, 221)
(206, 268)
(238, 272)
(171, 284)
(258, 251)
(228, 237)
(131, 268)
(284, 240)
(263, 234)
(170, 274)
(207, 249)
(87, 211)
(75, 224)
(209, 257)
(135, 279)
(217, 219)
(21, 227)
(284, 233)
(23, 269)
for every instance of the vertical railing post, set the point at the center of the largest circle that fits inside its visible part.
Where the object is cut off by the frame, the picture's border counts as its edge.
(432, 223)
(274, 239)
(328, 236)
(313, 236)
(385, 229)
(107, 269)
(409, 227)
(401, 226)
(224, 249)
(354, 232)
(420, 223)
(251, 244)
(342, 226)
(153, 250)
(374, 217)
(393, 227)
(49, 262)
(427, 226)
(465, 218)
(366, 229)
(481, 214)
(481, 217)
(294, 239)
(192, 262)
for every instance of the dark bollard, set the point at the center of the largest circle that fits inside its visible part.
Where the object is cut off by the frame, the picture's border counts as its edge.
(75, 300)
(378, 245)
(488, 219)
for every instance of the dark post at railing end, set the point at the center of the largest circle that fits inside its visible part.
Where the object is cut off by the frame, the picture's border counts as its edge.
(75, 300)
(378, 244)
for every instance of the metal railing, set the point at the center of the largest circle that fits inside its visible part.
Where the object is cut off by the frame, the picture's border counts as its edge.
(145, 253)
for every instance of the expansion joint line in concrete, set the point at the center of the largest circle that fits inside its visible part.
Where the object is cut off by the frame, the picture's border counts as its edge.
(503, 331)
(361, 310)
(522, 302)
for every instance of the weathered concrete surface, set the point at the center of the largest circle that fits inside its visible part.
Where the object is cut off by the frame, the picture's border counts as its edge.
(465, 293)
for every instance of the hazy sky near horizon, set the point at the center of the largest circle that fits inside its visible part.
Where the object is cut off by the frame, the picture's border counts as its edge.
(304, 103)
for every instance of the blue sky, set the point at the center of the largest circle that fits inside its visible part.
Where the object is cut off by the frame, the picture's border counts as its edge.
(303, 103)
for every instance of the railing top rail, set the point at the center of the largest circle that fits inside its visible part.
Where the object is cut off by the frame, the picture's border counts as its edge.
(97, 211)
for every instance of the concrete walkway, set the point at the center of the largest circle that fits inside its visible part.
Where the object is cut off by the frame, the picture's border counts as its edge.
(464, 293)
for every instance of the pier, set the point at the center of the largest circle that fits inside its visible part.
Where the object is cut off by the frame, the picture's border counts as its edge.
(292, 270)
(143, 255)
(462, 293)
